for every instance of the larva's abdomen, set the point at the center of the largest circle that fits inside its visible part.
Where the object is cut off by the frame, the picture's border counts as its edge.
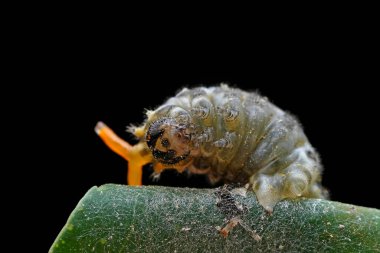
(236, 136)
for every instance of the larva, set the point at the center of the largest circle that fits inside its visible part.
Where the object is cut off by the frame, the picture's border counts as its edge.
(229, 135)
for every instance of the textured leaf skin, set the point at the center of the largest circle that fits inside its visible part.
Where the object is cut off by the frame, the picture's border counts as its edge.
(115, 218)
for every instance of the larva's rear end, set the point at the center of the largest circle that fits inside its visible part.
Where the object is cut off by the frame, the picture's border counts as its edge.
(233, 136)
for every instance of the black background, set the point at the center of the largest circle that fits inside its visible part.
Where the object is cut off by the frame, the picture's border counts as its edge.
(69, 67)
(329, 87)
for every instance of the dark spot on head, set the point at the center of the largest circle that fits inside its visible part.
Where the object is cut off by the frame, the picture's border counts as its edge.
(165, 143)
(168, 157)
(154, 132)
(168, 141)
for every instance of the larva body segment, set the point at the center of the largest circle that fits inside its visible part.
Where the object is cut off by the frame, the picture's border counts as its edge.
(234, 136)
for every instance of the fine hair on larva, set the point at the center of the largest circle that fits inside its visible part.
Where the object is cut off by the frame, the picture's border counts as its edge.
(232, 136)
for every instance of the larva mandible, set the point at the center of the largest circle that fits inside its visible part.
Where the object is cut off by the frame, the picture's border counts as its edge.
(227, 134)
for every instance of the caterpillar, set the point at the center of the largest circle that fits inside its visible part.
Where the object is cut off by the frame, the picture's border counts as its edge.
(230, 135)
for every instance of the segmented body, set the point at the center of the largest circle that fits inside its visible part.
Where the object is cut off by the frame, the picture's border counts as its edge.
(234, 136)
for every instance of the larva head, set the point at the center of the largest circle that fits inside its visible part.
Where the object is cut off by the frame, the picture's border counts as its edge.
(169, 141)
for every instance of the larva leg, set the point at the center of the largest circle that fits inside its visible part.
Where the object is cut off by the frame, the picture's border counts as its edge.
(133, 154)
(294, 181)
(303, 181)
(158, 168)
(268, 189)
(297, 180)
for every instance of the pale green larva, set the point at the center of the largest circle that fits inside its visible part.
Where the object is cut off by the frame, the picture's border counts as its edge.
(232, 136)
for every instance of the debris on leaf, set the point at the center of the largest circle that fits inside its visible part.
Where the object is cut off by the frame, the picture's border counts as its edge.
(233, 210)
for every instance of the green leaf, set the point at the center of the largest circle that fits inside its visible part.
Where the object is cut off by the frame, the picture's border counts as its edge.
(115, 218)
